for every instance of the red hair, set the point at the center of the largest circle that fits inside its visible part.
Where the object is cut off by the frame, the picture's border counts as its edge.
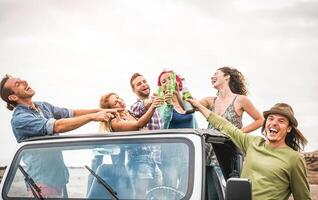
(178, 79)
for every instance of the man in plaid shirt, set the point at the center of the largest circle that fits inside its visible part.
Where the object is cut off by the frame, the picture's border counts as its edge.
(141, 88)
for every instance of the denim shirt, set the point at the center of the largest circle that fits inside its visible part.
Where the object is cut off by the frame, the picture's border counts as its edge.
(48, 166)
(27, 122)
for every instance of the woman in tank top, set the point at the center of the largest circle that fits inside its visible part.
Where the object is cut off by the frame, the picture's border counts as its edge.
(231, 100)
(174, 162)
(172, 113)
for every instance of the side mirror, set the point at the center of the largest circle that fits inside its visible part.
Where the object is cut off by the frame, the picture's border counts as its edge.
(238, 189)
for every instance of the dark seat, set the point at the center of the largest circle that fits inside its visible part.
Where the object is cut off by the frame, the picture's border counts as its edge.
(117, 177)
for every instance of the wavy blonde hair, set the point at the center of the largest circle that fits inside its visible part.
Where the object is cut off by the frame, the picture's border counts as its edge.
(104, 103)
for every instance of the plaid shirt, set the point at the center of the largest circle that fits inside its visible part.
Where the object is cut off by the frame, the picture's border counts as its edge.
(138, 109)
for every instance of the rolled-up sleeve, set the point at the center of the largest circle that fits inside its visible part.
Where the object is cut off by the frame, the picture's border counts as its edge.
(26, 125)
(50, 126)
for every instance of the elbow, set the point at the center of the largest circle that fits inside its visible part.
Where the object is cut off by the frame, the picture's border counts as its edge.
(57, 128)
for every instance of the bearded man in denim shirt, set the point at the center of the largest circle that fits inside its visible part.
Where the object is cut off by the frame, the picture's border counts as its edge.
(32, 119)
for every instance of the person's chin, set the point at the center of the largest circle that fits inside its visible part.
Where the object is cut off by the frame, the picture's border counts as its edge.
(31, 93)
(272, 140)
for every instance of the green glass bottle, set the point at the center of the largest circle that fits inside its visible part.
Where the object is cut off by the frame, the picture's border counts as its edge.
(171, 87)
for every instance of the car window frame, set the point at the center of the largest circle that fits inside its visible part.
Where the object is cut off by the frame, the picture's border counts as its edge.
(99, 141)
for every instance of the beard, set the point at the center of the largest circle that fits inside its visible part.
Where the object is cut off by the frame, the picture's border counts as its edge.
(26, 95)
(143, 94)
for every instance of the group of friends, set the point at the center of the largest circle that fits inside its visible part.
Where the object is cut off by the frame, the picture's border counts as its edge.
(272, 163)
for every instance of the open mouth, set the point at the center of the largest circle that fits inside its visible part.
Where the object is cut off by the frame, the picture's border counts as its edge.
(213, 81)
(273, 130)
(27, 88)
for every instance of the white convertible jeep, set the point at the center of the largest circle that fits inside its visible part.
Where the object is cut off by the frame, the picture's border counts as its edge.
(166, 164)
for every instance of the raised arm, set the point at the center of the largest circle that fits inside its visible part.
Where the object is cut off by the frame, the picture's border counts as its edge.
(240, 139)
(69, 124)
(131, 125)
(80, 112)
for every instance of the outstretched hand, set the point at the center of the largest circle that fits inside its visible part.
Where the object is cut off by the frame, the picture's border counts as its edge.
(107, 114)
(195, 103)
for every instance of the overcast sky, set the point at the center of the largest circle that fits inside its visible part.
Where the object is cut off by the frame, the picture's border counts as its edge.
(72, 52)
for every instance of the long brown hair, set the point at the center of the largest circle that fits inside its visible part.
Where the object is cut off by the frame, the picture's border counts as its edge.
(294, 139)
(237, 82)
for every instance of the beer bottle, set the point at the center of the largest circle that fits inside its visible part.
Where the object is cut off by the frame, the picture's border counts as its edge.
(161, 93)
(171, 87)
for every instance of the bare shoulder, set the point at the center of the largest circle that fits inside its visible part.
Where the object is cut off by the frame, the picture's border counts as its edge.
(242, 99)
(242, 102)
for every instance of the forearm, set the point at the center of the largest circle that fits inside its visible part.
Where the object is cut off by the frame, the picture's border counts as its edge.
(205, 112)
(240, 139)
(69, 124)
(143, 120)
(218, 122)
(80, 112)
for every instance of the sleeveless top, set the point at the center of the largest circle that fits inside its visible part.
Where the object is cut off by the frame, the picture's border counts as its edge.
(229, 114)
(181, 120)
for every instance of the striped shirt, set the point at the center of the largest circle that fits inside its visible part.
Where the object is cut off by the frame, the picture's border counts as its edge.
(138, 109)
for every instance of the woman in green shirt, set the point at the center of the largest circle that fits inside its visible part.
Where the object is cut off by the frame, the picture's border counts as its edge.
(273, 164)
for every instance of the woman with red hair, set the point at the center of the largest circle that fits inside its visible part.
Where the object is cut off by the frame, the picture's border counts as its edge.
(173, 113)
(174, 116)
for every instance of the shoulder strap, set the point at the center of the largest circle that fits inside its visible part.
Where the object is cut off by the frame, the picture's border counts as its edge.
(213, 105)
(234, 99)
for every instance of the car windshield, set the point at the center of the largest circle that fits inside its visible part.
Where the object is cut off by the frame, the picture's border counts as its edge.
(107, 169)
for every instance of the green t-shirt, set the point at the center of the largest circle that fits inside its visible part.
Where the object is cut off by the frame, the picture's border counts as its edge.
(275, 173)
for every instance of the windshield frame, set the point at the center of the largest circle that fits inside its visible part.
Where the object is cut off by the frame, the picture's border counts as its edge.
(72, 143)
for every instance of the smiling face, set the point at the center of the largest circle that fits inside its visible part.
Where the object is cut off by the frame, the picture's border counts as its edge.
(276, 128)
(141, 87)
(219, 78)
(21, 89)
(114, 101)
